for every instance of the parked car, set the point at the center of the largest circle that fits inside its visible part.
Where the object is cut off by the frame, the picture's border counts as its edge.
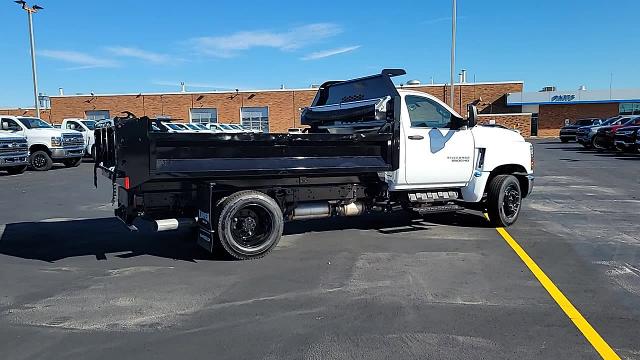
(626, 138)
(198, 127)
(86, 128)
(586, 134)
(568, 132)
(47, 145)
(14, 153)
(604, 138)
(224, 128)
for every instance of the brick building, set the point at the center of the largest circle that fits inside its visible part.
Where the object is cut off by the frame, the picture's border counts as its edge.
(552, 109)
(271, 110)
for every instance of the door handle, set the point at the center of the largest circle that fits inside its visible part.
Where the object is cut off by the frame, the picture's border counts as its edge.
(416, 137)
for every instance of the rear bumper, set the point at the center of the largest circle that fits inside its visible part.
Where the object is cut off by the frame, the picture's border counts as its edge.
(66, 153)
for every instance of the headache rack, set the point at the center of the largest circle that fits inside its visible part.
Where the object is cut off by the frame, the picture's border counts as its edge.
(359, 105)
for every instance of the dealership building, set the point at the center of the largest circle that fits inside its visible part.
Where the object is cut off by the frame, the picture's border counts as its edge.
(504, 102)
(551, 109)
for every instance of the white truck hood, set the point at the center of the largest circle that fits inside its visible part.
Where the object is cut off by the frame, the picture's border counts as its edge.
(486, 136)
(4, 136)
(53, 132)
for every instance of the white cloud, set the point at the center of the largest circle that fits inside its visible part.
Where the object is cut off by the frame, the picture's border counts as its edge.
(82, 60)
(139, 54)
(295, 38)
(330, 52)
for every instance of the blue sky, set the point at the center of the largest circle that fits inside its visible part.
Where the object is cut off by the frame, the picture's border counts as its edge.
(143, 46)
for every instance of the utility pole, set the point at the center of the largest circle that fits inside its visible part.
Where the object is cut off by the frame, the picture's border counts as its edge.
(453, 52)
(30, 11)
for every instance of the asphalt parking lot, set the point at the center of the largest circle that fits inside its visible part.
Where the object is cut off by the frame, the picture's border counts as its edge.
(75, 284)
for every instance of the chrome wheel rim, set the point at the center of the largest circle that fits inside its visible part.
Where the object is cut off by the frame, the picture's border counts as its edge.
(511, 201)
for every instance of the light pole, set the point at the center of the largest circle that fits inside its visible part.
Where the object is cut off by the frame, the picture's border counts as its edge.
(453, 51)
(30, 11)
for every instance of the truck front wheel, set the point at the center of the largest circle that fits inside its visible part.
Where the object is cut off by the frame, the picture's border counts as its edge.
(40, 160)
(504, 200)
(249, 224)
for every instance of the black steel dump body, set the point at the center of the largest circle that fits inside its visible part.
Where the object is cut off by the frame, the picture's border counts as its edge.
(132, 150)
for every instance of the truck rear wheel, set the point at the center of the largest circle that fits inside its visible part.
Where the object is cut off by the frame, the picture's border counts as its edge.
(40, 160)
(249, 224)
(504, 200)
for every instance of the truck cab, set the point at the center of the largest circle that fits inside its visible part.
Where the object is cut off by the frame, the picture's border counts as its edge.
(14, 153)
(47, 145)
(86, 128)
(434, 136)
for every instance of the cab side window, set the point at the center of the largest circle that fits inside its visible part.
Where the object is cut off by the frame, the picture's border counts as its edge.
(10, 125)
(426, 113)
(72, 125)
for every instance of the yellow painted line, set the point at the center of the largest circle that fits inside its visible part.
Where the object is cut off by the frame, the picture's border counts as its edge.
(579, 321)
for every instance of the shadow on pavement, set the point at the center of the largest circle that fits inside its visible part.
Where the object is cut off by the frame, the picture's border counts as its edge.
(388, 223)
(52, 241)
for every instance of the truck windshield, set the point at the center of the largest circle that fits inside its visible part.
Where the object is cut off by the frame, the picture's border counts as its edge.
(90, 124)
(34, 123)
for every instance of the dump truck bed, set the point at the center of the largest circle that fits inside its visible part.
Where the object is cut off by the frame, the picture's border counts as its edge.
(130, 150)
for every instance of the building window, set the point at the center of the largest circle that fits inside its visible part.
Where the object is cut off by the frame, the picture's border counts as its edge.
(629, 108)
(204, 115)
(97, 114)
(255, 118)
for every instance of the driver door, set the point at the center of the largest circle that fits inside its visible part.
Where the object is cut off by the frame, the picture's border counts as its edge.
(435, 154)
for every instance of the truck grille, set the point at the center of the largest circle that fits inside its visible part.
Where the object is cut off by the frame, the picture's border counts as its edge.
(8, 146)
(69, 140)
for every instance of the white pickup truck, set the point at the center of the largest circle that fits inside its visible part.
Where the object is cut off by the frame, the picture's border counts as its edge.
(86, 128)
(369, 148)
(14, 153)
(46, 143)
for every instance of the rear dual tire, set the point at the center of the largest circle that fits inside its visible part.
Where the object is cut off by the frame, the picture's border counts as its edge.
(249, 224)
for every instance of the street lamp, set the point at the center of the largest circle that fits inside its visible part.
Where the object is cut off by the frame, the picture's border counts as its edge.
(30, 11)
(453, 51)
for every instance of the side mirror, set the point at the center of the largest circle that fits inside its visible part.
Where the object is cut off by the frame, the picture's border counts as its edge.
(5, 126)
(473, 115)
